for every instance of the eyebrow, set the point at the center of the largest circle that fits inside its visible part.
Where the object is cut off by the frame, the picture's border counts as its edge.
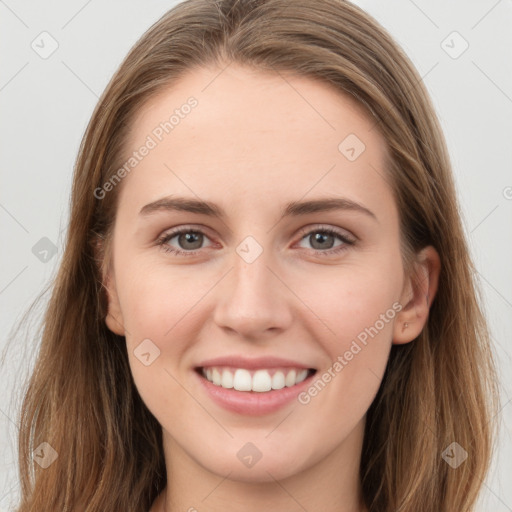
(292, 209)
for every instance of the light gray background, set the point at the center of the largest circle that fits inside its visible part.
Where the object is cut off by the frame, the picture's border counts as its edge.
(46, 104)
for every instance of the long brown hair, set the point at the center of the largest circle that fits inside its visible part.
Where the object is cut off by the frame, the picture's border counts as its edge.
(439, 389)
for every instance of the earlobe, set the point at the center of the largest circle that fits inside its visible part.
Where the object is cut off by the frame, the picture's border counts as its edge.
(417, 296)
(114, 318)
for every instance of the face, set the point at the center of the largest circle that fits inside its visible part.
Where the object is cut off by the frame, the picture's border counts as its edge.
(292, 271)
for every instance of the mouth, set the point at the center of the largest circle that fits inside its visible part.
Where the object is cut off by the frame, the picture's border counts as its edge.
(262, 380)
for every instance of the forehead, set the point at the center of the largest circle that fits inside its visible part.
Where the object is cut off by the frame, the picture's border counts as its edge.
(247, 134)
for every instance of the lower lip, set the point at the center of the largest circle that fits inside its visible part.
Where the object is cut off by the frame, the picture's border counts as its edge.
(253, 403)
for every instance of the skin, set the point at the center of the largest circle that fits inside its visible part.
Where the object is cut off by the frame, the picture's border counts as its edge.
(255, 142)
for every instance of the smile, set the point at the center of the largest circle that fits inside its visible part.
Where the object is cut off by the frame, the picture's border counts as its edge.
(258, 380)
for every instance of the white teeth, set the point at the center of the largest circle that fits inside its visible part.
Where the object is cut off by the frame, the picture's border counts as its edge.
(301, 376)
(216, 376)
(259, 381)
(278, 380)
(242, 380)
(227, 380)
(290, 378)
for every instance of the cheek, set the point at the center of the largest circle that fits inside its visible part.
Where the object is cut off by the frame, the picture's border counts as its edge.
(155, 295)
(357, 307)
(168, 306)
(160, 320)
(350, 300)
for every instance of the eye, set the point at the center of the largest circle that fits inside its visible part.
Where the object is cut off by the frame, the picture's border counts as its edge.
(322, 240)
(189, 241)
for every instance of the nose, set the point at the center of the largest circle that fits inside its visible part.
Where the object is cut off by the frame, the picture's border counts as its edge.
(252, 300)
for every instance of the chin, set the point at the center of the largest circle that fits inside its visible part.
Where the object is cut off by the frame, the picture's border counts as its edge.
(266, 469)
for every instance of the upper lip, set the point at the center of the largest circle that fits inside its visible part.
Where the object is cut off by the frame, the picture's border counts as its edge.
(253, 363)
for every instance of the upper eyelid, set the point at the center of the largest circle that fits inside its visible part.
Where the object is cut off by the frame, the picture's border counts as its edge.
(172, 232)
(321, 227)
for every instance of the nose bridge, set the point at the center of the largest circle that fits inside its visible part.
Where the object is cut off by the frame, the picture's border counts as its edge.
(251, 298)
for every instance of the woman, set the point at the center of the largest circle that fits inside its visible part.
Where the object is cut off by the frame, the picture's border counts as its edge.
(262, 366)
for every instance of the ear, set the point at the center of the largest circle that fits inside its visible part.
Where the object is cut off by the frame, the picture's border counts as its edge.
(417, 296)
(114, 318)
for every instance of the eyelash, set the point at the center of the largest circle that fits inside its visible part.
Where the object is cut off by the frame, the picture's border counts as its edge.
(162, 241)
